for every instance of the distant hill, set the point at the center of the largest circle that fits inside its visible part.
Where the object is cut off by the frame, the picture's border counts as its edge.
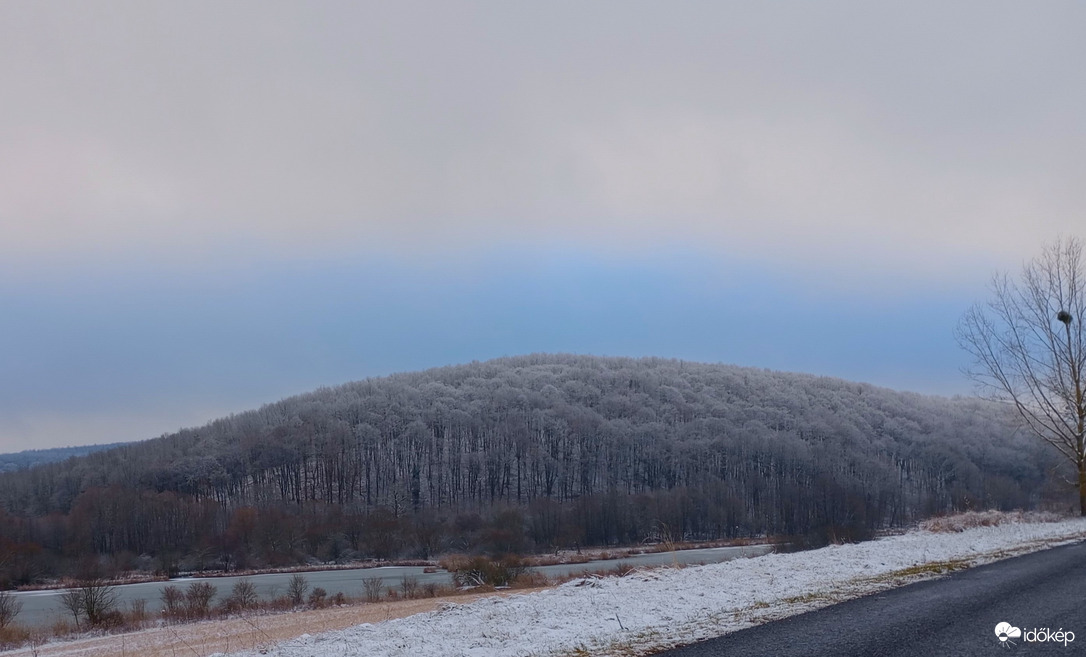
(528, 453)
(32, 457)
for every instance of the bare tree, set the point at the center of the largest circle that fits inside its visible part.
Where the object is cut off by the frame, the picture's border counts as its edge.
(72, 601)
(173, 603)
(296, 589)
(9, 608)
(242, 596)
(93, 600)
(409, 586)
(372, 587)
(198, 599)
(1029, 349)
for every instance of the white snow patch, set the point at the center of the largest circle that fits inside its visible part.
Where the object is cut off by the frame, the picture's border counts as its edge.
(654, 609)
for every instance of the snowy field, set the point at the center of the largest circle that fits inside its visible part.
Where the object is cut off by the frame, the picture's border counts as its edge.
(654, 609)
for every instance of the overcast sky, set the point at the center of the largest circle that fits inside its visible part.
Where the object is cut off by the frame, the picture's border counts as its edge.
(206, 206)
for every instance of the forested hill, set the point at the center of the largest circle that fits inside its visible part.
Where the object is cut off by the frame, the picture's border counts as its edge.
(527, 452)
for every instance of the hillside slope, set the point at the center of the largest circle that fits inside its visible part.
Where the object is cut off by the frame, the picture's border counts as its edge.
(29, 458)
(530, 452)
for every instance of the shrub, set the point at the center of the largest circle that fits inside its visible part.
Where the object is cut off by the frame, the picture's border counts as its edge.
(296, 589)
(14, 636)
(481, 571)
(535, 579)
(371, 588)
(317, 596)
(94, 601)
(198, 598)
(173, 603)
(137, 611)
(242, 596)
(409, 586)
(110, 620)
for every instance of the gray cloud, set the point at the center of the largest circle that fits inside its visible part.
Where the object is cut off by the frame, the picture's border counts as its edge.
(797, 128)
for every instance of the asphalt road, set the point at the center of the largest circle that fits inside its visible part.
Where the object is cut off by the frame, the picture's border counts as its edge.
(954, 615)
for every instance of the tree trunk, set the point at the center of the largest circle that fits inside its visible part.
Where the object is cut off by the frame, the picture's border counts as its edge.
(1082, 487)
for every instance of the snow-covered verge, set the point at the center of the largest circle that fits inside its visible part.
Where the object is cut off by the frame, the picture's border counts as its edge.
(654, 609)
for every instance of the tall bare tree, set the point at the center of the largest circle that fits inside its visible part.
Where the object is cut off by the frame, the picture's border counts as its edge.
(1029, 348)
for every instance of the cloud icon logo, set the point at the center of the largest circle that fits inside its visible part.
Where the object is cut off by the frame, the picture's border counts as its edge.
(1005, 632)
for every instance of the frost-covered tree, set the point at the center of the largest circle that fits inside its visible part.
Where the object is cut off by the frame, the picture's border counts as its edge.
(1029, 349)
(531, 452)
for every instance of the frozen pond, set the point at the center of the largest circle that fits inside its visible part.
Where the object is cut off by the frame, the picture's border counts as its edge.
(43, 607)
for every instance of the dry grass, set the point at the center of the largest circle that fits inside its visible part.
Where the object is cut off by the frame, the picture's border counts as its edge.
(971, 519)
(250, 632)
(584, 555)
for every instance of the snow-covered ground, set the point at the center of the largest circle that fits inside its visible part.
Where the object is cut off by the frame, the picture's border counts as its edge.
(654, 609)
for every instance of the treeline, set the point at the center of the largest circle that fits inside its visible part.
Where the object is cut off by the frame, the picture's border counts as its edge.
(32, 457)
(518, 454)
